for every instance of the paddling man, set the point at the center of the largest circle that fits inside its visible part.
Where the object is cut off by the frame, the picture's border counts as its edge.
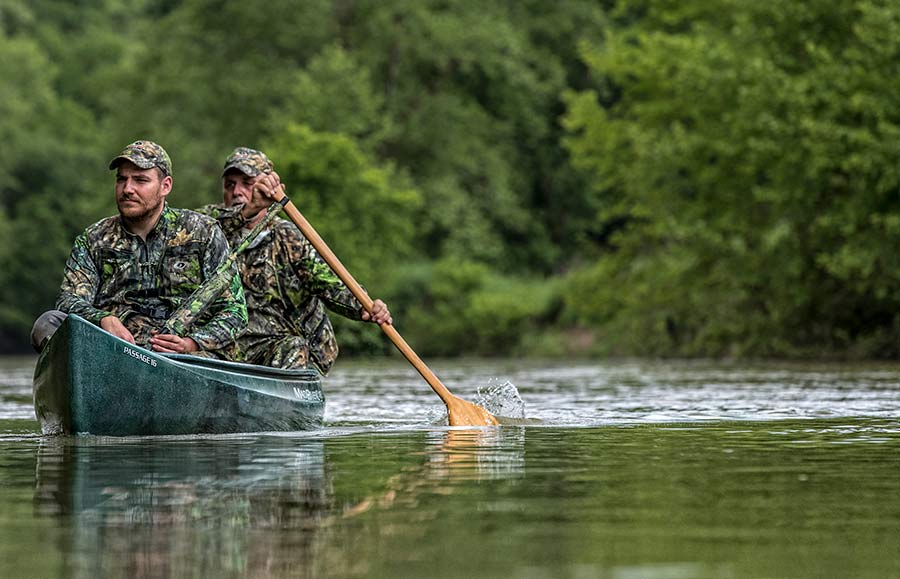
(287, 285)
(128, 272)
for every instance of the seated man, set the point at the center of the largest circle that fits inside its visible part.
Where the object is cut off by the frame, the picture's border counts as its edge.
(286, 284)
(127, 273)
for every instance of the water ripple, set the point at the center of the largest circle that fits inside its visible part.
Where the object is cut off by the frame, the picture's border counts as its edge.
(389, 394)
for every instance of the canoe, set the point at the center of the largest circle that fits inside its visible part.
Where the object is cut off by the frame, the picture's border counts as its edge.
(88, 381)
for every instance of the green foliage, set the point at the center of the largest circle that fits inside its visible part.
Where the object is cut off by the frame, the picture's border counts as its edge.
(661, 177)
(750, 149)
(47, 139)
(446, 111)
(456, 306)
(361, 210)
(473, 93)
(334, 94)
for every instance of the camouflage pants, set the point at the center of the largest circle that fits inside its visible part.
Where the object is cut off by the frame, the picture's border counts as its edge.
(288, 352)
(143, 327)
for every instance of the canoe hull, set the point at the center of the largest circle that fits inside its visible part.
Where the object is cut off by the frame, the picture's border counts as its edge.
(87, 381)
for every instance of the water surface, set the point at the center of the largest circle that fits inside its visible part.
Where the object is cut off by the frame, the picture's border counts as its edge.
(623, 470)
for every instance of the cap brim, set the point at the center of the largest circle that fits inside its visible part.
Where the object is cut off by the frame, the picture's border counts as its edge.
(142, 163)
(245, 169)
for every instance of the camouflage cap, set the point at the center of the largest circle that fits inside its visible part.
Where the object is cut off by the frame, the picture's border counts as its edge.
(248, 161)
(146, 155)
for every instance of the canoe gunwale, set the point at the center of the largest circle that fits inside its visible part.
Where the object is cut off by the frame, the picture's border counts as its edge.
(189, 360)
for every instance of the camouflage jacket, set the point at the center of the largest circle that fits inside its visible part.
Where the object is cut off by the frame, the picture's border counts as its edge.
(287, 286)
(113, 272)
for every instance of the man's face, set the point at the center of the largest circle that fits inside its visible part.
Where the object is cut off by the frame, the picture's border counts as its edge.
(237, 188)
(140, 193)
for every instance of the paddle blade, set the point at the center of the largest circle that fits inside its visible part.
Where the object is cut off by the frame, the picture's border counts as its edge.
(463, 413)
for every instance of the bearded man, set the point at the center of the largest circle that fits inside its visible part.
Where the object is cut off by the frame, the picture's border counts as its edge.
(128, 273)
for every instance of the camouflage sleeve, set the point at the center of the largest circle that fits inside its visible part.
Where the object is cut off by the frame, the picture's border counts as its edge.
(319, 279)
(228, 313)
(80, 284)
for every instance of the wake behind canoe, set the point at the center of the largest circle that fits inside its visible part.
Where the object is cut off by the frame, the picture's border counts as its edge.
(89, 381)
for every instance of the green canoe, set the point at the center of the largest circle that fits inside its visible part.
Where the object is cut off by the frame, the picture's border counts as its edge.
(88, 381)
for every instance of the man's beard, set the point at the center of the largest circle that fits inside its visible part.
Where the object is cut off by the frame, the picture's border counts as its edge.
(140, 211)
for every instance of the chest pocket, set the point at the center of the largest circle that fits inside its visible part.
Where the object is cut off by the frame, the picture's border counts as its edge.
(182, 266)
(117, 269)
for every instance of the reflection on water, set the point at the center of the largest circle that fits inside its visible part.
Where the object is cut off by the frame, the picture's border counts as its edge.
(495, 453)
(806, 499)
(157, 508)
(687, 471)
(249, 506)
(451, 458)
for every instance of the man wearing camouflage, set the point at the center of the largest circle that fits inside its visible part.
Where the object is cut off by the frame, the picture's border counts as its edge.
(286, 283)
(127, 273)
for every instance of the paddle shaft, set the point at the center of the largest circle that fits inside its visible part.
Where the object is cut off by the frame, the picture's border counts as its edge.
(359, 293)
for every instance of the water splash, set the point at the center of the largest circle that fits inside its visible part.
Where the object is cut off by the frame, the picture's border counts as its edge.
(501, 399)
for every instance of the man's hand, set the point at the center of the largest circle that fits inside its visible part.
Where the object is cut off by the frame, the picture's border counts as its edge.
(172, 344)
(114, 326)
(380, 314)
(264, 194)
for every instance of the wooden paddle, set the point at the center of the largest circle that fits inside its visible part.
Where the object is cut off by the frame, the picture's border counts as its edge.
(460, 412)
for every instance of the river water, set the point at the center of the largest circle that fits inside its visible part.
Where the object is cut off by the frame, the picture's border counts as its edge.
(618, 470)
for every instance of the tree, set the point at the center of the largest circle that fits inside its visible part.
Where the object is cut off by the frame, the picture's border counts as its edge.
(749, 151)
(47, 184)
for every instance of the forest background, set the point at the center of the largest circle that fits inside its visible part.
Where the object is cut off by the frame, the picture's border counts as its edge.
(517, 178)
